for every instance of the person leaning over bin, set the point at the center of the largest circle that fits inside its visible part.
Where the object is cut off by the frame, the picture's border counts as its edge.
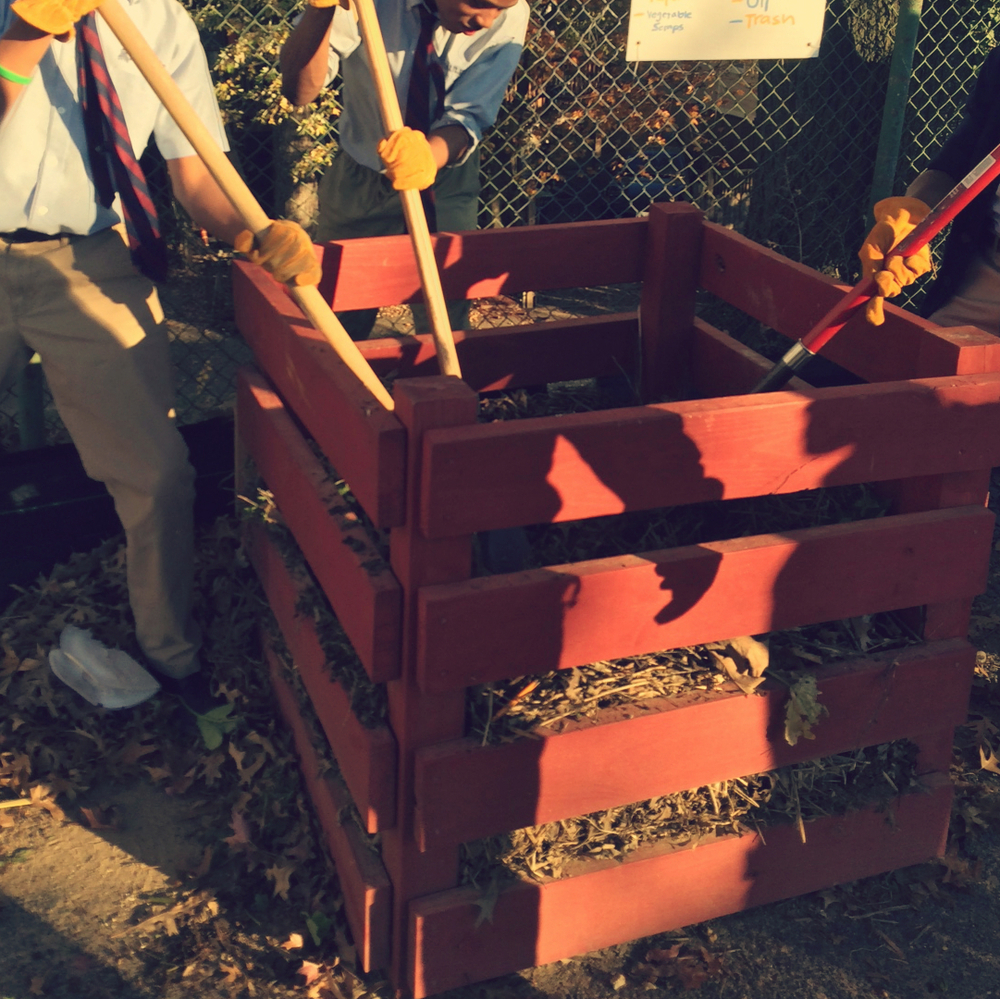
(464, 52)
(71, 289)
(966, 291)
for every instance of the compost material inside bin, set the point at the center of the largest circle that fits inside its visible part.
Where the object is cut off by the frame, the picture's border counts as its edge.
(793, 794)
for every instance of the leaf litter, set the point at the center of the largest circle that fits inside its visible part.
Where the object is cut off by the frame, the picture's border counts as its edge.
(222, 925)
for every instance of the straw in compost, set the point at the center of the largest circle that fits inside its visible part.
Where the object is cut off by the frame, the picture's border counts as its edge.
(793, 794)
(531, 706)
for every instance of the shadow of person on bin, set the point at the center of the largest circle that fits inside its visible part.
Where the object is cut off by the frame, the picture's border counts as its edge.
(840, 573)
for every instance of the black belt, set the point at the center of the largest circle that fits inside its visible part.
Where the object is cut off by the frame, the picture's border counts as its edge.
(28, 236)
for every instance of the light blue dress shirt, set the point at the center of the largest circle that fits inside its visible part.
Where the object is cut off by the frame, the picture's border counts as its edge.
(45, 181)
(477, 69)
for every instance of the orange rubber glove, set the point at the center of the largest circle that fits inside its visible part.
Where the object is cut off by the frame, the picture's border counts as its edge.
(894, 219)
(284, 250)
(409, 161)
(54, 17)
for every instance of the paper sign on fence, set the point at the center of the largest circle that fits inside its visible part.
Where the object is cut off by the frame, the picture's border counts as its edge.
(680, 30)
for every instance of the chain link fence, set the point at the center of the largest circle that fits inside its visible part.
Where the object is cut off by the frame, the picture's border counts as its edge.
(781, 150)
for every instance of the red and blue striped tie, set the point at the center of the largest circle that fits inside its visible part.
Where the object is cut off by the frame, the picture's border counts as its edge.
(112, 159)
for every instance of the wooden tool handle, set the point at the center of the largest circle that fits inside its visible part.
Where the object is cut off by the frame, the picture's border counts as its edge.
(413, 209)
(308, 298)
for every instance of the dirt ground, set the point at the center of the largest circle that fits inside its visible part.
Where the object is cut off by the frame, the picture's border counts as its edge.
(147, 866)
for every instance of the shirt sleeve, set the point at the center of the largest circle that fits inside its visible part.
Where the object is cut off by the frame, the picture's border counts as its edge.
(473, 100)
(182, 54)
(345, 37)
(959, 153)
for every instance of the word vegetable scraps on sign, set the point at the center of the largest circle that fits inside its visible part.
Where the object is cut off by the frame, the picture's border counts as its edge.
(676, 30)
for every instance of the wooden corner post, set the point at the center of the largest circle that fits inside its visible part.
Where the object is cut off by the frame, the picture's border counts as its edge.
(669, 285)
(419, 719)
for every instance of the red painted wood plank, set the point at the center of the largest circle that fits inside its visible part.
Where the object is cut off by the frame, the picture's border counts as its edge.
(538, 924)
(512, 356)
(364, 442)
(790, 298)
(670, 745)
(669, 284)
(722, 366)
(590, 464)
(366, 887)
(363, 273)
(366, 756)
(531, 622)
(362, 590)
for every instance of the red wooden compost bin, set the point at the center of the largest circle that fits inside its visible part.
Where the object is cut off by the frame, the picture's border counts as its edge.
(926, 425)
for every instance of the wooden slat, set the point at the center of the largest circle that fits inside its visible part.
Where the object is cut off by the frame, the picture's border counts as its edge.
(721, 365)
(513, 356)
(366, 756)
(363, 880)
(661, 747)
(363, 441)
(496, 627)
(790, 298)
(537, 924)
(363, 273)
(591, 464)
(361, 588)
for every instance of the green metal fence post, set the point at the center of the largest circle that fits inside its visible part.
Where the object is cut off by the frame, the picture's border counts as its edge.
(896, 98)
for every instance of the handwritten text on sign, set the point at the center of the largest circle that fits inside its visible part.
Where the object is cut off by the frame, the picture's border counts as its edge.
(673, 30)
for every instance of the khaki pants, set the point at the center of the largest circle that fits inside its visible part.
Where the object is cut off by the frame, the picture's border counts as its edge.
(355, 201)
(977, 301)
(97, 326)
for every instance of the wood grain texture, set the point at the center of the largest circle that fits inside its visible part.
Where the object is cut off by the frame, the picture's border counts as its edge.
(366, 888)
(649, 893)
(790, 298)
(366, 756)
(513, 356)
(670, 745)
(592, 464)
(669, 286)
(496, 627)
(364, 273)
(364, 594)
(363, 441)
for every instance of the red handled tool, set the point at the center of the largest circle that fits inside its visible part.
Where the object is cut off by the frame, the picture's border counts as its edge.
(831, 324)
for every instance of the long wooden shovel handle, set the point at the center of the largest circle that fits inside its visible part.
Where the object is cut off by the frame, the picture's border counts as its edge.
(413, 208)
(308, 298)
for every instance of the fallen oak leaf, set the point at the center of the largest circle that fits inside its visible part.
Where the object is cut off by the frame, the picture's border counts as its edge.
(745, 681)
(281, 876)
(294, 942)
(802, 710)
(756, 654)
(310, 970)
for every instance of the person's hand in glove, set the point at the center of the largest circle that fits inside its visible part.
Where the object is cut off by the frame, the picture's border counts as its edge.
(409, 160)
(54, 17)
(285, 250)
(894, 219)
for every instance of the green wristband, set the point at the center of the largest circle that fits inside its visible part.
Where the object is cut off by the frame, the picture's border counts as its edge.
(9, 74)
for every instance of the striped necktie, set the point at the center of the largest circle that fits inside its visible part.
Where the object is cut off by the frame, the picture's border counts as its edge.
(425, 75)
(112, 159)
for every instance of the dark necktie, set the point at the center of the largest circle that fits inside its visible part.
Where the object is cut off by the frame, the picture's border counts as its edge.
(112, 160)
(425, 75)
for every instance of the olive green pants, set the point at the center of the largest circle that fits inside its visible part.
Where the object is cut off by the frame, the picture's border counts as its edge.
(355, 201)
(96, 323)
